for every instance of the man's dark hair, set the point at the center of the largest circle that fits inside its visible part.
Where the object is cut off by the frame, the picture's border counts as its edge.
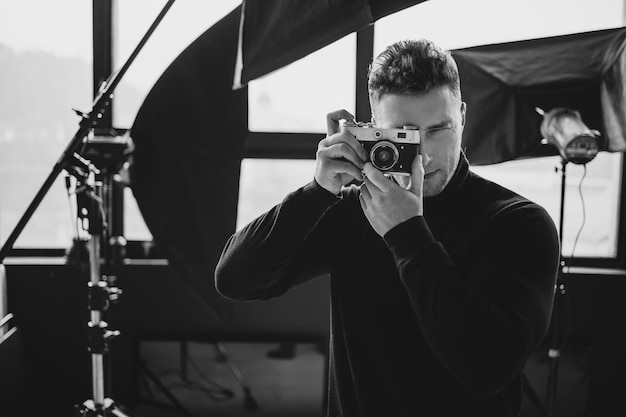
(412, 67)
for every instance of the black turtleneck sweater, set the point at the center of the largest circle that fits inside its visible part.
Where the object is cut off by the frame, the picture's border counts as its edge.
(437, 318)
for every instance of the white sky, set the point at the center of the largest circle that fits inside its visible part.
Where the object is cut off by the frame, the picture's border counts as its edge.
(64, 26)
(462, 23)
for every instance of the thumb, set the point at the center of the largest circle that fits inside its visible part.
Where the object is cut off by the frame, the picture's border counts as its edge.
(417, 175)
(333, 118)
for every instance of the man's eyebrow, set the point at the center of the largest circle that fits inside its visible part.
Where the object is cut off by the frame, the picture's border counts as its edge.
(445, 123)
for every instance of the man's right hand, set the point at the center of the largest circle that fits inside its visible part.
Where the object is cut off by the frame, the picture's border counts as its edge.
(340, 157)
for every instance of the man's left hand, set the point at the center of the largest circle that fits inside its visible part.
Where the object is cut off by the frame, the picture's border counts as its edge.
(385, 203)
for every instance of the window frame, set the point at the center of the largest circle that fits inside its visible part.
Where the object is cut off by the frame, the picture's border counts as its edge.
(272, 145)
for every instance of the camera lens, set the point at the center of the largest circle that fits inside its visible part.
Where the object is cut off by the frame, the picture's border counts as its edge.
(384, 155)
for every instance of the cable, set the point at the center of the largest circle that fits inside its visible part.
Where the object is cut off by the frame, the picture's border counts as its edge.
(218, 393)
(227, 393)
(582, 202)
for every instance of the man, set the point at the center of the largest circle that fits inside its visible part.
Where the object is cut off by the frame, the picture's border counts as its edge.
(441, 283)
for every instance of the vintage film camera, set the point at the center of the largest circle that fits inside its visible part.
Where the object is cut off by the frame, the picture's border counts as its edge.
(390, 150)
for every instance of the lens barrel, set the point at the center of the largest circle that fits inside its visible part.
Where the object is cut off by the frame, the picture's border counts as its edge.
(384, 155)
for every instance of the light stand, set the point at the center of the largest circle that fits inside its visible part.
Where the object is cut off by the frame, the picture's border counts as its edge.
(98, 253)
(94, 195)
(100, 294)
(554, 352)
(578, 144)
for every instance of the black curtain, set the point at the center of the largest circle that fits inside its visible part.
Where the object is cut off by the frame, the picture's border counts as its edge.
(188, 137)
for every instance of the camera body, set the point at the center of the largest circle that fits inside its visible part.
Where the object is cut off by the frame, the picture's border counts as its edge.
(390, 150)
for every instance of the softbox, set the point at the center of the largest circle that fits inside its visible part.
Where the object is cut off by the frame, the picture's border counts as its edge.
(504, 83)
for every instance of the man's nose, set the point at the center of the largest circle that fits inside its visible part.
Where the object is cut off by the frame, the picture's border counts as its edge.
(425, 155)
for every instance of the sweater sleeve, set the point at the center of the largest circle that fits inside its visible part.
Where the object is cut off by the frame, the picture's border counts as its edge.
(482, 320)
(278, 250)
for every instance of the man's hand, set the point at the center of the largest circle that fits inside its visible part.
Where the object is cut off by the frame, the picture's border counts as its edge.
(340, 156)
(387, 204)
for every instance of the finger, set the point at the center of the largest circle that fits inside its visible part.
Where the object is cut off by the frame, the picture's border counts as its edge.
(377, 178)
(340, 151)
(333, 118)
(417, 174)
(340, 167)
(417, 167)
(371, 190)
(365, 192)
(347, 138)
(363, 203)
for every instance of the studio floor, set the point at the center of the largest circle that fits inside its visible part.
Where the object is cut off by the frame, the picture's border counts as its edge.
(279, 387)
(295, 387)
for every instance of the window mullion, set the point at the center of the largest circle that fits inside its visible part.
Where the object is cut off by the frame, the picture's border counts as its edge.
(103, 27)
(364, 54)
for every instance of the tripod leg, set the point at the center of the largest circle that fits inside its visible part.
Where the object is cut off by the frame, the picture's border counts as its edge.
(116, 410)
(107, 409)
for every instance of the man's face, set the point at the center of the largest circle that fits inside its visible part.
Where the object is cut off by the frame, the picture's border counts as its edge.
(440, 118)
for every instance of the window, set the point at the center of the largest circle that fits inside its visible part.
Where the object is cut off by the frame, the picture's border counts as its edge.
(297, 98)
(135, 227)
(594, 215)
(46, 55)
(265, 183)
(45, 50)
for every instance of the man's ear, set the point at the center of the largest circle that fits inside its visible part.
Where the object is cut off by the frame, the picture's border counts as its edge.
(463, 110)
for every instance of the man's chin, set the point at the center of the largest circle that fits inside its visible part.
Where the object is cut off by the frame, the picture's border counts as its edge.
(433, 185)
(431, 192)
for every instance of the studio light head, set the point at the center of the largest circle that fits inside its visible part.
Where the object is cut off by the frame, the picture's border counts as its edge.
(565, 129)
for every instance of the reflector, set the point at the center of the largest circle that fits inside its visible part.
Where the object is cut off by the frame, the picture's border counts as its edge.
(276, 33)
(188, 138)
(565, 129)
